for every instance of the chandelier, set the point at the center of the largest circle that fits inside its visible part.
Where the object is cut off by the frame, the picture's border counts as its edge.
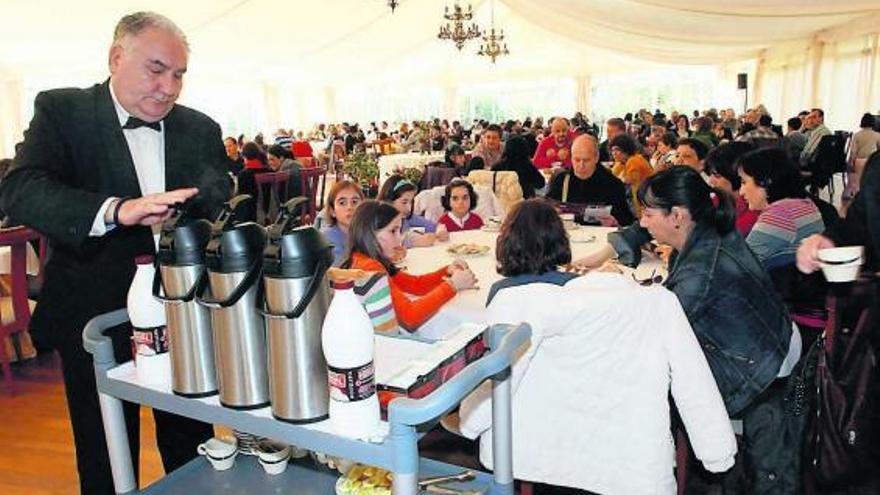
(455, 30)
(393, 4)
(493, 44)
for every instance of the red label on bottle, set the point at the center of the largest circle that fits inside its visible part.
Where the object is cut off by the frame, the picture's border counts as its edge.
(149, 341)
(351, 384)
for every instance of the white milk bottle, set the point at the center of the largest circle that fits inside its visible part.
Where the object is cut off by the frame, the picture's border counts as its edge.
(347, 340)
(149, 339)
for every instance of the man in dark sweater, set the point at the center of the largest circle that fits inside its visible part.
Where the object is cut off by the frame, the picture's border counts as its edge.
(587, 183)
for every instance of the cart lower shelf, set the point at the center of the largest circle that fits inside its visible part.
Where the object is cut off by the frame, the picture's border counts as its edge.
(303, 477)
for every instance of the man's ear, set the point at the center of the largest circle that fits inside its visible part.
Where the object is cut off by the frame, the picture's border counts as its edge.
(113, 58)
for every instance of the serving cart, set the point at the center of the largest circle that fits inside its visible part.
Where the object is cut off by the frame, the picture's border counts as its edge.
(396, 452)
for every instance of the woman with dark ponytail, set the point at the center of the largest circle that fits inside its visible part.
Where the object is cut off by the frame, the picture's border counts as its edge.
(736, 313)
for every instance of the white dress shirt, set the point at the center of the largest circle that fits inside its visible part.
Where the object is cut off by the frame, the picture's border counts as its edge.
(147, 148)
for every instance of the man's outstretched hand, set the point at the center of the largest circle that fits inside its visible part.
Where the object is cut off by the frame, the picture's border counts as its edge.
(152, 208)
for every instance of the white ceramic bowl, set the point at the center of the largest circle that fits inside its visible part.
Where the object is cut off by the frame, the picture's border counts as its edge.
(841, 264)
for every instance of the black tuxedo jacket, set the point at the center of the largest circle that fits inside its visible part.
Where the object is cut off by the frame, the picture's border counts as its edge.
(73, 158)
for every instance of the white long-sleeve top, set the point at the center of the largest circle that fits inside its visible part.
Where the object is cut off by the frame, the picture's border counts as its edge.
(590, 391)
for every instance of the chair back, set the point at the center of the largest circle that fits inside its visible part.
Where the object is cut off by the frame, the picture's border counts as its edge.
(311, 179)
(16, 239)
(830, 159)
(437, 175)
(272, 191)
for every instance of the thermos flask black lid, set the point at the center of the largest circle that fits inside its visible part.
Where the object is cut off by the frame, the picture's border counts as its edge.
(234, 245)
(294, 251)
(183, 239)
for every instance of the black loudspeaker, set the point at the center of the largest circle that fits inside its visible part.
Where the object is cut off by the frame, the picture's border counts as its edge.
(742, 81)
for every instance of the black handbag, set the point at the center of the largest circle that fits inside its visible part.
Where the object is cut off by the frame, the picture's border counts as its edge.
(843, 430)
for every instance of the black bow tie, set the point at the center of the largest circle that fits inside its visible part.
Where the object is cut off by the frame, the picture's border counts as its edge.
(135, 123)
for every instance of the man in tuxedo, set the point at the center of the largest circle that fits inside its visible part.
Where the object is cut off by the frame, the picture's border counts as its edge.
(98, 170)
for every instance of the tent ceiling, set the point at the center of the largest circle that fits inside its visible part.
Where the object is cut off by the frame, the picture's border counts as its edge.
(340, 42)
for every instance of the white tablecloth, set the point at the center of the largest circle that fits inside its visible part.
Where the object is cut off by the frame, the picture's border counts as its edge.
(389, 164)
(470, 305)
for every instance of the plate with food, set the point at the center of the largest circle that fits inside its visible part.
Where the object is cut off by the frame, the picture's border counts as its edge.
(467, 250)
(364, 480)
(582, 236)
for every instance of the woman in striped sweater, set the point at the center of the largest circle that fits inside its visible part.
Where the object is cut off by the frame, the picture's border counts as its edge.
(772, 185)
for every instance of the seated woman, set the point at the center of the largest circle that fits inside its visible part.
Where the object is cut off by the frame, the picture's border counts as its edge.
(605, 384)
(772, 186)
(400, 193)
(342, 201)
(629, 165)
(459, 200)
(664, 154)
(723, 170)
(281, 160)
(515, 158)
(737, 316)
(255, 162)
(375, 239)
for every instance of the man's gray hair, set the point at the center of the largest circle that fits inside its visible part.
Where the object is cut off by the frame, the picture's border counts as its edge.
(133, 24)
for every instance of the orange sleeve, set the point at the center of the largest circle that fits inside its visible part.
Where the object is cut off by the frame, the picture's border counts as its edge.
(411, 313)
(419, 285)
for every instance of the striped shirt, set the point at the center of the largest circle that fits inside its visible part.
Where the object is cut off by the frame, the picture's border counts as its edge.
(780, 228)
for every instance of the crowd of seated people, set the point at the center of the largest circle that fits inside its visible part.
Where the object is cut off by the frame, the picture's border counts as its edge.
(722, 191)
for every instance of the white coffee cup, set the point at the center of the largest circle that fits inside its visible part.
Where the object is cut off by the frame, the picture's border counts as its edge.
(567, 220)
(220, 453)
(273, 456)
(841, 264)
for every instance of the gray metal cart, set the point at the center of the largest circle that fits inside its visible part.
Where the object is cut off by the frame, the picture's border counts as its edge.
(397, 453)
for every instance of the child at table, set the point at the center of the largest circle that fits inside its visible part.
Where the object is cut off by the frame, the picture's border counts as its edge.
(342, 201)
(401, 192)
(374, 239)
(459, 200)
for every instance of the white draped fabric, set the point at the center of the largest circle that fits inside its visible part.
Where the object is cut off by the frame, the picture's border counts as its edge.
(258, 64)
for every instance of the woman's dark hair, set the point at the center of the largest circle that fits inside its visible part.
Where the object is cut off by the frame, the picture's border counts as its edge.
(253, 151)
(280, 151)
(698, 146)
(516, 153)
(722, 160)
(868, 120)
(687, 122)
(669, 139)
(532, 240)
(458, 183)
(684, 187)
(394, 187)
(452, 150)
(625, 143)
(369, 218)
(772, 169)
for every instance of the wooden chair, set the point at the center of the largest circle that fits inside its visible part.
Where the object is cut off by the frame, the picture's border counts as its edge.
(17, 322)
(311, 179)
(275, 184)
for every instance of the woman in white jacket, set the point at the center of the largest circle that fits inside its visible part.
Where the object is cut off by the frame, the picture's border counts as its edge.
(590, 392)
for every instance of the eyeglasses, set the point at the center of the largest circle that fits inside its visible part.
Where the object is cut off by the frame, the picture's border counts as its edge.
(655, 278)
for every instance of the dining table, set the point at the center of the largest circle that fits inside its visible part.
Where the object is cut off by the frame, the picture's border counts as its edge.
(391, 164)
(469, 306)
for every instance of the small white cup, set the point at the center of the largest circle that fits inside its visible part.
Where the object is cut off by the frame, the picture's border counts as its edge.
(841, 264)
(567, 220)
(273, 456)
(220, 453)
